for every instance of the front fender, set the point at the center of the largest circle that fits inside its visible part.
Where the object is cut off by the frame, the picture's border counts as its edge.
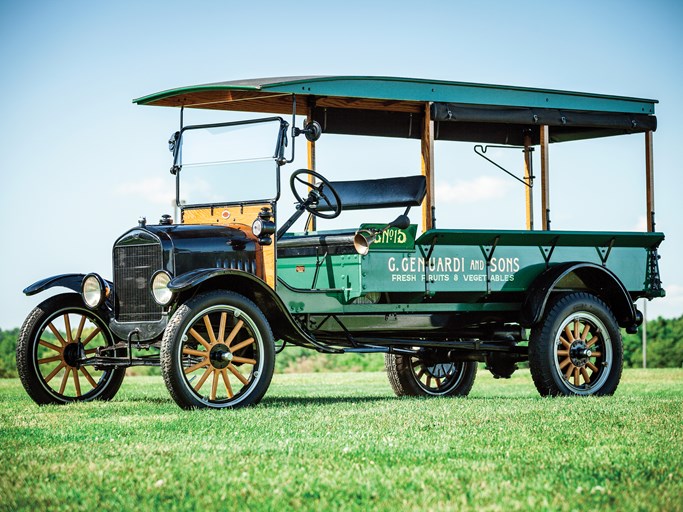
(581, 276)
(70, 281)
(255, 289)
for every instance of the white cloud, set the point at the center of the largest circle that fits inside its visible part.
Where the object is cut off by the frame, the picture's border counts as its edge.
(472, 191)
(156, 191)
(670, 306)
(641, 225)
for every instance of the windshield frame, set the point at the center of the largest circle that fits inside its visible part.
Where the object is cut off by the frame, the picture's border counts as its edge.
(278, 157)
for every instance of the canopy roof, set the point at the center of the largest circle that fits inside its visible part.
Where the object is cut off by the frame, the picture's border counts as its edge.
(396, 107)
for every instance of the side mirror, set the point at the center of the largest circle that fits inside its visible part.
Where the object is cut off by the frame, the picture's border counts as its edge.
(312, 131)
(173, 141)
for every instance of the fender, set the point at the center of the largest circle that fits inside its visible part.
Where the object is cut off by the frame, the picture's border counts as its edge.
(581, 276)
(255, 289)
(70, 281)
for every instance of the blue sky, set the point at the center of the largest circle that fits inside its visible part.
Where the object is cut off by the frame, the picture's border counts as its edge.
(80, 162)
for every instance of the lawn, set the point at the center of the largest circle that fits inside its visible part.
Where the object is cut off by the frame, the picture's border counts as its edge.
(343, 442)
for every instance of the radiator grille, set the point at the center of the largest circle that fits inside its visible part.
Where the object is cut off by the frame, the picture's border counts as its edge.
(134, 266)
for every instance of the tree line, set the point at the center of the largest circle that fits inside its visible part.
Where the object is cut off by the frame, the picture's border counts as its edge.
(664, 350)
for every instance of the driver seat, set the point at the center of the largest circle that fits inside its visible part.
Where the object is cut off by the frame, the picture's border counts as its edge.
(380, 193)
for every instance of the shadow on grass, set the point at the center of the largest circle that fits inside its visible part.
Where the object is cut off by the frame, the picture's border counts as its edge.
(284, 401)
(278, 401)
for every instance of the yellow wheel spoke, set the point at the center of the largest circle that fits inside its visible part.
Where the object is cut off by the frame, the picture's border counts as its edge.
(228, 387)
(237, 374)
(49, 359)
(50, 346)
(568, 332)
(90, 351)
(563, 352)
(57, 334)
(55, 372)
(565, 362)
(244, 360)
(197, 366)
(81, 324)
(89, 377)
(199, 338)
(596, 354)
(569, 371)
(565, 343)
(586, 378)
(91, 336)
(576, 376)
(221, 327)
(67, 323)
(203, 379)
(209, 329)
(233, 333)
(593, 340)
(577, 327)
(242, 344)
(77, 383)
(592, 366)
(192, 352)
(214, 385)
(585, 332)
(64, 381)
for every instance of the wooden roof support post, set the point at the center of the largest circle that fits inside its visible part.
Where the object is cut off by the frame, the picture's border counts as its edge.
(310, 146)
(427, 152)
(545, 184)
(649, 182)
(529, 180)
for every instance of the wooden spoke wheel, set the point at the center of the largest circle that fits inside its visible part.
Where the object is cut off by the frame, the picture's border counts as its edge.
(429, 376)
(217, 351)
(53, 348)
(577, 349)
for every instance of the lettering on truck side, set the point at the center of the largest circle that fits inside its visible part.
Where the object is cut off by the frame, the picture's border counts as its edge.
(441, 269)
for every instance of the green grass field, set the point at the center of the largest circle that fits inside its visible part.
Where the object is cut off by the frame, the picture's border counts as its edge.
(344, 442)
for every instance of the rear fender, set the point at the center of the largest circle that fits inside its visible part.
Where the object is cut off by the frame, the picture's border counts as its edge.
(589, 277)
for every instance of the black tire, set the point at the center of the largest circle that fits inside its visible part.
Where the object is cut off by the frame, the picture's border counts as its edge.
(228, 337)
(577, 348)
(413, 376)
(56, 333)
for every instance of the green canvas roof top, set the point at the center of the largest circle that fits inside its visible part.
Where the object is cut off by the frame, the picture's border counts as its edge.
(395, 107)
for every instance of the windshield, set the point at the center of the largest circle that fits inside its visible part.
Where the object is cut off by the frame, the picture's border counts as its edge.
(231, 162)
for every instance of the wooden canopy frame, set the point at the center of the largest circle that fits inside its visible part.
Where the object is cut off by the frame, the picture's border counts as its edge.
(437, 110)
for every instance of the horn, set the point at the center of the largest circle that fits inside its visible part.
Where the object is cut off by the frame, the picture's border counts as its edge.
(362, 241)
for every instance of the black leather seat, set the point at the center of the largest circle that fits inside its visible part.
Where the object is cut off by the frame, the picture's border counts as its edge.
(380, 193)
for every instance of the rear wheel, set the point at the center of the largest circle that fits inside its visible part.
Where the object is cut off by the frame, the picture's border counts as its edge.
(412, 375)
(217, 352)
(52, 349)
(577, 348)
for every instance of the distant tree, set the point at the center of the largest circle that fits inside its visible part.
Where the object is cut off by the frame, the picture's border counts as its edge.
(664, 345)
(8, 344)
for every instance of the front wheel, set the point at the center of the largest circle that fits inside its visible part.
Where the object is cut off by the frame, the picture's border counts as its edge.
(52, 351)
(577, 348)
(217, 352)
(428, 375)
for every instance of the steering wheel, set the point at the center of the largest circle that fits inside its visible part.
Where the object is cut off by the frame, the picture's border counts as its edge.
(315, 194)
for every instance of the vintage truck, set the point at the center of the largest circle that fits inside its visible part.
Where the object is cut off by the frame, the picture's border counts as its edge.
(212, 299)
